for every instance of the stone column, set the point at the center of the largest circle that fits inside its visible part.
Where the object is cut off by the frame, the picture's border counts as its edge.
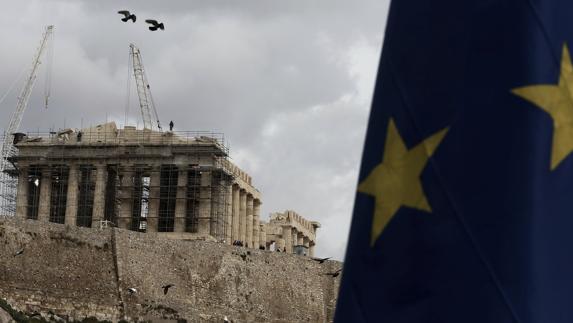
(205, 204)
(216, 228)
(311, 249)
(256, 214)
(181, 202)
(306, 243)
(229, 212)
(45, 195)
(294, 237)
(280, 244)
(263, 235)
(243, 216)
(72, 198)
(287, 236)
(126, 199)
(236, 213)
(99, 195)
(22, 194)
(300, 239)
(250, 221)
(153, 204)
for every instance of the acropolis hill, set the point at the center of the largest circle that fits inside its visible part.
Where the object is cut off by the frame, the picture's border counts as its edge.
(74, 273)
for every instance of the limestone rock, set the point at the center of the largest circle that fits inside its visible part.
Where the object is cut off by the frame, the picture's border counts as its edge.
(77, 273)
(5, 317)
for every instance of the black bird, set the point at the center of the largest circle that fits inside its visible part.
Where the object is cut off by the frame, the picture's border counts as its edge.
(127, 16)
(19, 252)
(166, 288)
(334, 274)
(155, 25)
(321, 260)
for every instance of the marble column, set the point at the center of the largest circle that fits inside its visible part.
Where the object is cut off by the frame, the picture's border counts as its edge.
(262, 235)
(72, 198)
(229, 213)
(181, 201)
(236, 213)
(256, 227)
(287, 236)
(294, 237)
(300, 239)
(99, 195)
(280, 244)
(45, 195)
(243, 216)
(311, 249)
(22, 193)
(205, 204)
(153, 204)
(217, 207)
(126, 199)
(305, 243)
(250, 221)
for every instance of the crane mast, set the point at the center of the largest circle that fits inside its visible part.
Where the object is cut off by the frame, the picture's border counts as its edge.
(146, 102)
(7, 183)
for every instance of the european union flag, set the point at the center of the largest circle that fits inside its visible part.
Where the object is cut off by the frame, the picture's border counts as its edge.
(464, 209)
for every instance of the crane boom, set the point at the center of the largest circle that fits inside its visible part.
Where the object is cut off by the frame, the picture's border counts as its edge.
(7, 183)
(23, 98)
(146, 102)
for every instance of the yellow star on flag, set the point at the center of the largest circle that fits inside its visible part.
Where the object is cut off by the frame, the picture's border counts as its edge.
(396, 181)
(557, 100)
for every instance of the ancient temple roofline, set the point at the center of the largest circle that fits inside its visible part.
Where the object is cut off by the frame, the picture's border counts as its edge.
(108, 134)
(296, 221)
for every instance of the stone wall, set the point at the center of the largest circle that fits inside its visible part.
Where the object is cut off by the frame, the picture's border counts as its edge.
(77, 273)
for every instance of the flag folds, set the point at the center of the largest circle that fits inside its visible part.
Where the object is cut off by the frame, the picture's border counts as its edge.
(464, 204)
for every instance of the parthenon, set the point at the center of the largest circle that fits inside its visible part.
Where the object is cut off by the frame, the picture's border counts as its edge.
(177, 184)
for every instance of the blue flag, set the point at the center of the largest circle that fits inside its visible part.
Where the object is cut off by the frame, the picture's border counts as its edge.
(464, 206)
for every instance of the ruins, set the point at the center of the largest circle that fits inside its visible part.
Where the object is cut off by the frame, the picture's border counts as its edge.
(179, 184)
(292, 233)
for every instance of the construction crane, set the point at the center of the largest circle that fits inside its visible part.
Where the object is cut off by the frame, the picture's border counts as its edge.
(7, 181)
(143, 91)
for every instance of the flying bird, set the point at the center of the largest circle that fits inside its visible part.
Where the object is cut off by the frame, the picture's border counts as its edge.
(321, 260)
(155, 25)
(19, 252)
(127, 16)
(334, 274)
(132, 290)
(166, 288)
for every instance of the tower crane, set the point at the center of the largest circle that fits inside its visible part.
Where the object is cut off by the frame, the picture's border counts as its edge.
(143, 91)
(7, 183)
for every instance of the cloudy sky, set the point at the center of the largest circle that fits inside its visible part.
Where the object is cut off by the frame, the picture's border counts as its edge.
(289, 83)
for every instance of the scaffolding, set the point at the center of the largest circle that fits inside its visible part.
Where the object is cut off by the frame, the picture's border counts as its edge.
(139, 180)
(8, 183)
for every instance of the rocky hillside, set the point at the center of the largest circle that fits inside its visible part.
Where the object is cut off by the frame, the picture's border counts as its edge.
(51, 271)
